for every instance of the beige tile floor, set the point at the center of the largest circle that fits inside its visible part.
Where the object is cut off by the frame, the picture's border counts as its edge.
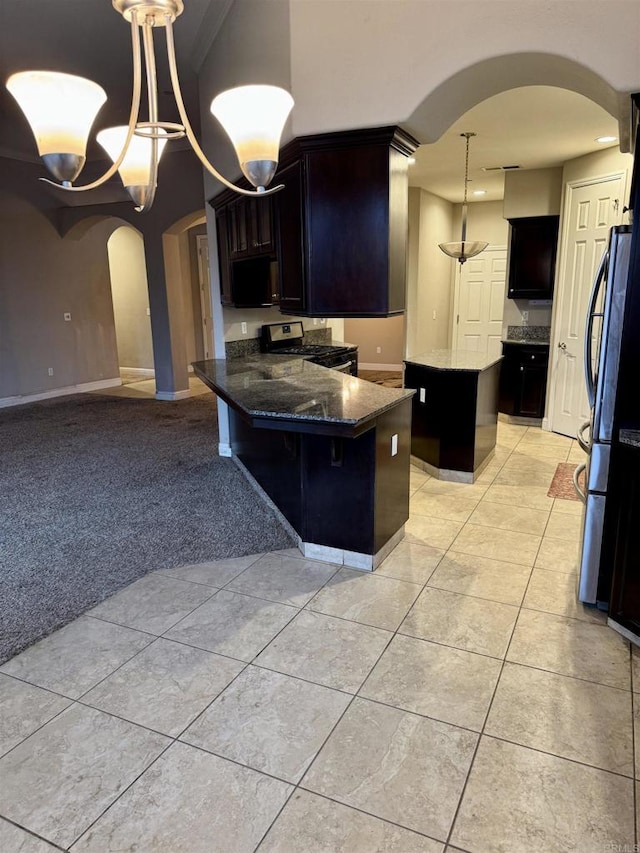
(456, 699)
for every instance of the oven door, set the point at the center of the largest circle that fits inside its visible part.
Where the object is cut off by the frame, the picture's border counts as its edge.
(344, 362)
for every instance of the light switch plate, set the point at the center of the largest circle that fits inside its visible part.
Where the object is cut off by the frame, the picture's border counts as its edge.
(394, 444)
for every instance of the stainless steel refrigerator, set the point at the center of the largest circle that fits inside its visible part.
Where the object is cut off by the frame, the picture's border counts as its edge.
(603, 335)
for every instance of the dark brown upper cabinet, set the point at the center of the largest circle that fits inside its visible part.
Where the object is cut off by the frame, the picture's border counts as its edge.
(342, 223)
(532, 257)
(250, 228)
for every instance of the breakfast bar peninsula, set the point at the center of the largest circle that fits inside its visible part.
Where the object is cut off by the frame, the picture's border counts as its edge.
(330, 450)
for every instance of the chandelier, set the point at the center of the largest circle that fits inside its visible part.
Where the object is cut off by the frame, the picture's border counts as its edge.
(464, 249)
(61, 109)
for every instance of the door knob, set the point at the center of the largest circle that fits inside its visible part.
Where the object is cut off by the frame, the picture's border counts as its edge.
(562, 345)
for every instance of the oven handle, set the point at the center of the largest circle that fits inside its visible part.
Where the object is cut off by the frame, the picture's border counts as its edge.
(343, 368)
(576, 484)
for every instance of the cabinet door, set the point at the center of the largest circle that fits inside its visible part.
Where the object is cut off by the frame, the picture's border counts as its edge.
(533, 381)
(238, 231)
(224, 264)
(289, 214)
(532, 257)
(260, 226)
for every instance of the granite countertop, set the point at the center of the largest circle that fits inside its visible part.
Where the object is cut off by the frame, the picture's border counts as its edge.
(267, 388)
(630, 437)
(447, 359)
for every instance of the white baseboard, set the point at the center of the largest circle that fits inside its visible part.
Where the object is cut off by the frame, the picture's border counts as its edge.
(140, 371)
(59, 392)
(173, 395)
(364, 365)
(224, 449)
(546, 424)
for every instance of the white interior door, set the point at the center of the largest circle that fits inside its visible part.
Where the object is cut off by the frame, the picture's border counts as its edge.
(205, 295)
(591, 209)
(480, 302)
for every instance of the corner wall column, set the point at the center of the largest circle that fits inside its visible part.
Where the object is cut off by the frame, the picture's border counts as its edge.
(165, 278)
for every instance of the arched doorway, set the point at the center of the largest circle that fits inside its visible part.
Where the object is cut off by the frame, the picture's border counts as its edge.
(544, 106)
(131, 311)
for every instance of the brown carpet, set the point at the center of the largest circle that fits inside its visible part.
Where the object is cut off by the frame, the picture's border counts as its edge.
(387, 378)
(562, 483)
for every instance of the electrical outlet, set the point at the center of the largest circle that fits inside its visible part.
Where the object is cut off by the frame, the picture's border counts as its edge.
(525, 317)
(323, 320)
(50, 371)
(315, 321)
(148, 312)
(434, 315)
(423, 395)
(67, 317)
(378, 350)
(243, 328)
(394, 444)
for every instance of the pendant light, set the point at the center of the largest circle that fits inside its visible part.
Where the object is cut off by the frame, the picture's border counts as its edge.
(464, 249)
(61, 109)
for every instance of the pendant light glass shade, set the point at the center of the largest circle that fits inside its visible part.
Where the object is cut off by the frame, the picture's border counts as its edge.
(464, 249)
(254, 118)
(135, 169)
(59, 107)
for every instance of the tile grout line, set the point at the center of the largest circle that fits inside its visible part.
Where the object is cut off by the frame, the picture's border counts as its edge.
(34, 834)
(298, 785)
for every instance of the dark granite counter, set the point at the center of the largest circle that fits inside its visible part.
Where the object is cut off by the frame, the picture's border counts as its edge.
(282, 392)
(446, 359)
(630, 437)
(525, 342)
(528, 334)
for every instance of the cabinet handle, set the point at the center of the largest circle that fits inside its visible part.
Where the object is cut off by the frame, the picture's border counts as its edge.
(521, 368)
(533, 358)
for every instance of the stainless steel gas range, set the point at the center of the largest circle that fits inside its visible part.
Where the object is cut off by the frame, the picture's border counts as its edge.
(288, 339)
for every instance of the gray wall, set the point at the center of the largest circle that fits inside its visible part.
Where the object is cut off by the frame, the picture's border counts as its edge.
(43, 276)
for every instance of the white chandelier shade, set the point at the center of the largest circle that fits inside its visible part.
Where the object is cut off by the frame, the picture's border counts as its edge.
(62, 108)
(254, 118)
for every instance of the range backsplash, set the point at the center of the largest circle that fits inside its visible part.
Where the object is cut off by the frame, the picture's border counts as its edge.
(250, 346)
(529, 333)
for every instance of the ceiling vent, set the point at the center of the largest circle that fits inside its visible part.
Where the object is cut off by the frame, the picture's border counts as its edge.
(499, 168)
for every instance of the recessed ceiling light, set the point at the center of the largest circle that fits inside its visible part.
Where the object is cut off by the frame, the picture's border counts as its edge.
(604, 139)
(411, 161)
(479, 192)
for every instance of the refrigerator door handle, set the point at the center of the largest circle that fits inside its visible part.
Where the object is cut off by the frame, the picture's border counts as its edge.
(576, 484)
(591, 315)
(582, 441)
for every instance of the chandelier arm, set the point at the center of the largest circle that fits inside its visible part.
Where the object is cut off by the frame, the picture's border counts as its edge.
(173, 70)
(133, 116)
(152, 97)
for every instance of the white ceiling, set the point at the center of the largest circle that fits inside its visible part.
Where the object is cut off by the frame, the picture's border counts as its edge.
(533, 127)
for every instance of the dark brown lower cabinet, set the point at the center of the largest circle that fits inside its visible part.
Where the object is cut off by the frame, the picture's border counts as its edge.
(523, 380)
(622, 537)
(346, 493)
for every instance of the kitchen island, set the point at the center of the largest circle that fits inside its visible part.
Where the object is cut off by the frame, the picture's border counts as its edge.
(455, 412)
(330, 450)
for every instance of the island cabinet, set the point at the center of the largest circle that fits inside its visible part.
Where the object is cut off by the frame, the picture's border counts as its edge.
(532, 257)
(342, 223)
(330, 450)
(455, 412)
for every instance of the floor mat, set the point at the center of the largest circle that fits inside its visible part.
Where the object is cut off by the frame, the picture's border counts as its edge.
(562, 483)
(387, 378)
